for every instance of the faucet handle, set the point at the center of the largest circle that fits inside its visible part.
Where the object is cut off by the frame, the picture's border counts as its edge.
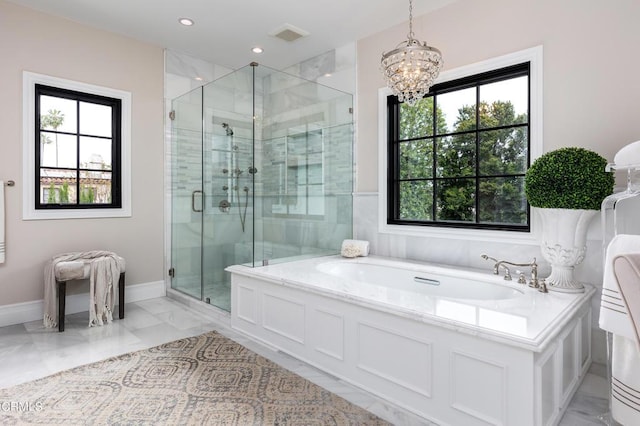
(543, 287)
(507, 274)
(521, 278)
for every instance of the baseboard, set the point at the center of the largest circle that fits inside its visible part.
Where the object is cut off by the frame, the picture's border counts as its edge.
(19, 313)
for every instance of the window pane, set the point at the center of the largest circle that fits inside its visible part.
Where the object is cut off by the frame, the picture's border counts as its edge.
(456, 155)
(416, 121)
(416, 159)
(456, 200)
(95, 119)
(57, 150)
(416, 200)
(95, 153)
(57, 186)
(95, 187)
(503, 152)
(502, 201)
(457, 110)
(504, 103)
(58, 114)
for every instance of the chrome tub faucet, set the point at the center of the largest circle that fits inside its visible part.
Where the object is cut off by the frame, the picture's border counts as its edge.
(533, 281)
(497, 265)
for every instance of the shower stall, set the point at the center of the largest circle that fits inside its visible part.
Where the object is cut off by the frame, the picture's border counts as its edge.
(261, 172)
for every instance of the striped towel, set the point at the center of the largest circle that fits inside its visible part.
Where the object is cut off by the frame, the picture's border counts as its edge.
(625, 353)
(625, 381)
(2, 245)
(614, 314)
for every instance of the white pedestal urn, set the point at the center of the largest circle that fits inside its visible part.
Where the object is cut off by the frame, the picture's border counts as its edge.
(563, 244)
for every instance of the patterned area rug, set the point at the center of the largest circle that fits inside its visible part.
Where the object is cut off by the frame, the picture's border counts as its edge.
(202, 380)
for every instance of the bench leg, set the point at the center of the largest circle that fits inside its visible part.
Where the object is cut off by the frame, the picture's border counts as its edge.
(121, 295)
(62, 296)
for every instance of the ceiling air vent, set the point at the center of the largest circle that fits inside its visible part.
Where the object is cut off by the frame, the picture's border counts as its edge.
(288, 32)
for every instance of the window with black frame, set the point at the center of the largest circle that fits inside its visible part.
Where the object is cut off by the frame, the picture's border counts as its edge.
(458, 157)
(78, 149)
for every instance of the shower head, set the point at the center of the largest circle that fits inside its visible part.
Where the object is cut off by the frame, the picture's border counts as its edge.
(228, 129)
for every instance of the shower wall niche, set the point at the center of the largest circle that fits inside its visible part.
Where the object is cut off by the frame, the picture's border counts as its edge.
(262, 172)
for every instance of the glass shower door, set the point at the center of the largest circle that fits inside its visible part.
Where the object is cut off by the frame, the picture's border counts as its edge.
(228, 174)
(187, 198)
(261, 173)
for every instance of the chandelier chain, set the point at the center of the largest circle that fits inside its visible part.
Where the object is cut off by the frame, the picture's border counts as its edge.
(411, 34)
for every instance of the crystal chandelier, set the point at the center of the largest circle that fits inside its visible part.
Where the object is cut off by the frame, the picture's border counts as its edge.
(410, 69)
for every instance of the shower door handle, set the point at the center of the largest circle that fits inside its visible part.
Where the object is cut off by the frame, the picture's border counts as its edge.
(193, 201)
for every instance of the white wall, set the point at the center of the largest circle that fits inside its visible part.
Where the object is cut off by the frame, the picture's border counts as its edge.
(48, 45)
(590, 100)
(591, 88)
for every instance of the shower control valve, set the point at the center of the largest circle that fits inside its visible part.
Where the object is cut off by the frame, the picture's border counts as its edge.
(224, 206)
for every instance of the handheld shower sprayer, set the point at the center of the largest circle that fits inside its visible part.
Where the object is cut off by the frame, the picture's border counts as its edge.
(227, 129)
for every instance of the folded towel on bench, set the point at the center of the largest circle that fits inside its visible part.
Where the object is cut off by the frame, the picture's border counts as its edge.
(103, 270)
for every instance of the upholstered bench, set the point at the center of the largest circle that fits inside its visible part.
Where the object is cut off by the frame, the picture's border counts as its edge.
(78, 267)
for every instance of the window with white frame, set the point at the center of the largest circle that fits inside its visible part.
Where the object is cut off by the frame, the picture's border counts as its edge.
(76, 149)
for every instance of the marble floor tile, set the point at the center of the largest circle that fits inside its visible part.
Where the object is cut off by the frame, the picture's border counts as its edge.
(29, 351)
(137, 317)
(158, 334)
(594, 385)
(158, 305)
(585, 409)
(397, 416)
(180, 319)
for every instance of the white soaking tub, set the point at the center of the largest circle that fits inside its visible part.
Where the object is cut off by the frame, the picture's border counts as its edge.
(455, 346)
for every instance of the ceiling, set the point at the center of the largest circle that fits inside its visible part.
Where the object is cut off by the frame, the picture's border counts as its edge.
(226, 30)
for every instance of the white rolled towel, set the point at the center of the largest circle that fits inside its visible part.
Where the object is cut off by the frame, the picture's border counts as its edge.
(629, 155)
(354, 248)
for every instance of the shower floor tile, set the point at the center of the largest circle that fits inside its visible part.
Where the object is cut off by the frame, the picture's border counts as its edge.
(219, 294)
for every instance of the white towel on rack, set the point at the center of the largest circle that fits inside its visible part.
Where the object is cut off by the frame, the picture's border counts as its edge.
(625, 381)
(2, 243)
(614, 313)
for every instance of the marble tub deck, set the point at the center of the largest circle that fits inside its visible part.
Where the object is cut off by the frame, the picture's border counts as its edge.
(29, 351)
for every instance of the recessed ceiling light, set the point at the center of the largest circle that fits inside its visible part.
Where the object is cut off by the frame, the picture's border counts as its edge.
(257, 50)
(186, 22)
(197, 78)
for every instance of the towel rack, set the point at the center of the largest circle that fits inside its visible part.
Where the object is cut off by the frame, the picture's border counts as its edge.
(612, 167)
(9, 183)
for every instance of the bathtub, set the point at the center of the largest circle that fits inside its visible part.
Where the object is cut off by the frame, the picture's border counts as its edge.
(455, 346)
(420, 282)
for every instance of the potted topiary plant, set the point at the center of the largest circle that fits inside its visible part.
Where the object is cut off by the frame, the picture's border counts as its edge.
(566, 186)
